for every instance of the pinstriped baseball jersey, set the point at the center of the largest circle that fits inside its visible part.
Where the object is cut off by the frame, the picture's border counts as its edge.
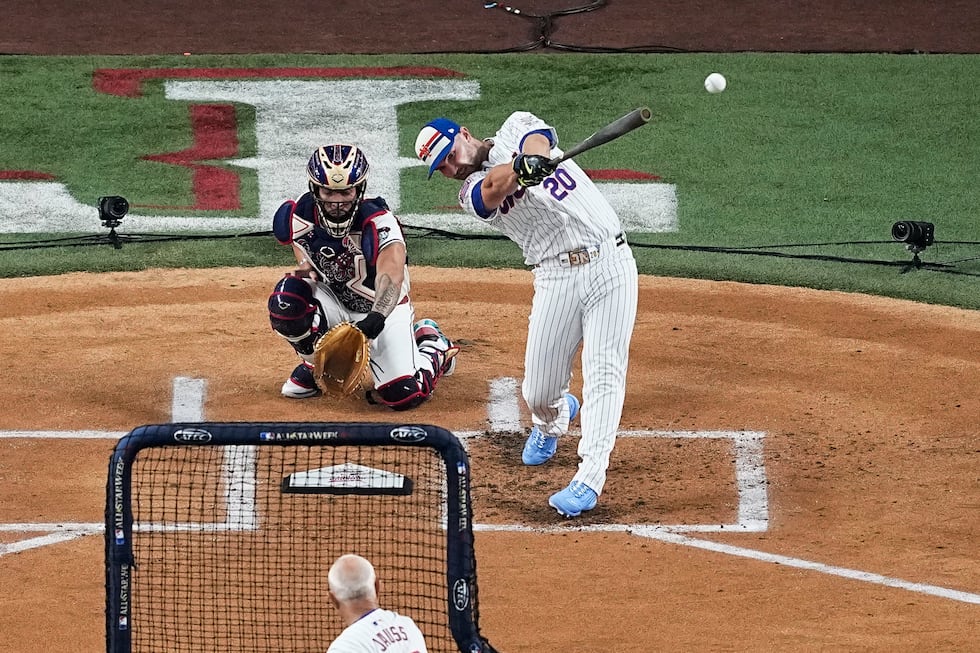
(564, 213)
(585, 292)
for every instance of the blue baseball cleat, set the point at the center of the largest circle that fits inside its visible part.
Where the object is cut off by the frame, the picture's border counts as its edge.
(573, 405)
(574, 500)
(539, 447)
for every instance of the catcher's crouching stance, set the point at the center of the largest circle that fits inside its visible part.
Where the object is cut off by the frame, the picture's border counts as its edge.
(346, 309)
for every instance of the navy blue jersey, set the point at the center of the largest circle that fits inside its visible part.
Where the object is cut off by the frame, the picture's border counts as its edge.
(348, 265)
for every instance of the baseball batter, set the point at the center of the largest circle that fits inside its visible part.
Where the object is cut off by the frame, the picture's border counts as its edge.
(585, 282)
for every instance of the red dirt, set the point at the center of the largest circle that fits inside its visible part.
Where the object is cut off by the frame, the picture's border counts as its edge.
(868, 405)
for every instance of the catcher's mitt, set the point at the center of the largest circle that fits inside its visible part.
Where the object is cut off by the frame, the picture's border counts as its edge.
(340, 359)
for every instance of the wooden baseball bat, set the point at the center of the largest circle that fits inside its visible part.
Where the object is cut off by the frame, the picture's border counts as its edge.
(629, 122)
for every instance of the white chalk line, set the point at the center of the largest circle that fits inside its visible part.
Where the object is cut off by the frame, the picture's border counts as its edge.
(504, 416)
(775, 558)
(60, 533)
(62, 435)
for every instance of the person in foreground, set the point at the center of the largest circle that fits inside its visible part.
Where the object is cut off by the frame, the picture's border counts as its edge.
(354, 589)
(585, 282)
(353, 266)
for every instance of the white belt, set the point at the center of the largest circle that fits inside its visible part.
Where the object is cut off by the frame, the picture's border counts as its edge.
(584, 255)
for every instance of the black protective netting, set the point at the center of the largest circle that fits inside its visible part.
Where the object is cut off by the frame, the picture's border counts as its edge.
(227, 560)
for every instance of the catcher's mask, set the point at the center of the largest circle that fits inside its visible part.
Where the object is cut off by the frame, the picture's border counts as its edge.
(292, 307)
(337, 168)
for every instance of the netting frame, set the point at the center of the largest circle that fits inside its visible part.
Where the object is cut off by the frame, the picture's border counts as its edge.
(461, 579)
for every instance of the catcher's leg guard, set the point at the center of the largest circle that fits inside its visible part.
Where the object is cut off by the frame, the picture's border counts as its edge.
(406, 392)
(295, 315)
(433, 343)
(300, 384)
(409, 391)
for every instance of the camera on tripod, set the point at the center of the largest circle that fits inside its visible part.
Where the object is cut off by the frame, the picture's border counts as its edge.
(915, 234)
(112, 209)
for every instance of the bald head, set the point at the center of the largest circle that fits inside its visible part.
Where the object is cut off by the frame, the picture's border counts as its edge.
(352, 578)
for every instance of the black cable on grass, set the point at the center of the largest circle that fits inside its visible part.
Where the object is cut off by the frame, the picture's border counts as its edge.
(757, 250)
(117, 240)
(429, 233)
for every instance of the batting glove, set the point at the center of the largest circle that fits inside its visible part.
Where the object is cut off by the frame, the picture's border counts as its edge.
(532, 169)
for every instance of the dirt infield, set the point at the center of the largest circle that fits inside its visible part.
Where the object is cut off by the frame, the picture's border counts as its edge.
(863, 410)
(813, 454)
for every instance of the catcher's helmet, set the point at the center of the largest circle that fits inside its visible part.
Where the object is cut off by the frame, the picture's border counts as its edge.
(292, 307)
(337, 168)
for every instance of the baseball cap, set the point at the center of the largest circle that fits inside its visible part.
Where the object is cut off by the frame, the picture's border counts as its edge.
(434, 142)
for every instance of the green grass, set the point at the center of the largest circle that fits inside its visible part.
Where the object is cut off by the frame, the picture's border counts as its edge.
(798, 149)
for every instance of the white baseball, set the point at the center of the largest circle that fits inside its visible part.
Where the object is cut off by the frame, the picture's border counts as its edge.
(715, 83)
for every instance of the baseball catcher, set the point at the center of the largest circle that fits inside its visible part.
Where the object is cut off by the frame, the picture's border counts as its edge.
(346, 308)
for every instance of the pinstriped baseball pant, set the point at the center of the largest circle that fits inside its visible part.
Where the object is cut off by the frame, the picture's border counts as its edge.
(592, 305)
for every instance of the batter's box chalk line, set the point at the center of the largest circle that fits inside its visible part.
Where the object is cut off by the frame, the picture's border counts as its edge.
(750, 485)
(504, 416)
